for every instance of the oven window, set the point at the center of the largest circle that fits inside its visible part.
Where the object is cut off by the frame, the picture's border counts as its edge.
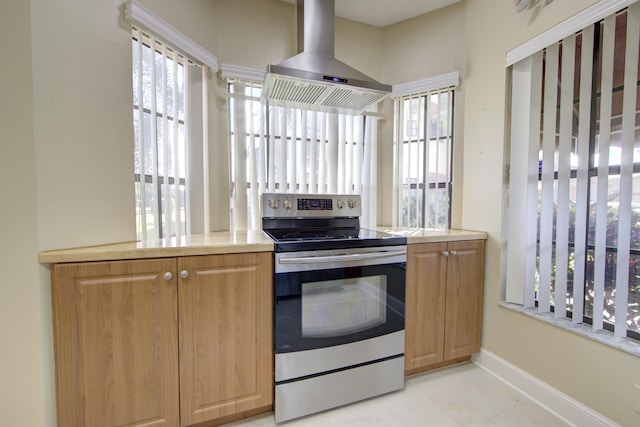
(341, 307)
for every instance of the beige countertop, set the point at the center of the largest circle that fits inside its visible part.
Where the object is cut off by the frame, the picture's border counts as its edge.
(221, 242)
(217, 242)
(426, 235)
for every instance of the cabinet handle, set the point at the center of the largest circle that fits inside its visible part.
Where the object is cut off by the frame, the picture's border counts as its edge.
(445, 253)
(168, 275)
(184, 274)
(454, 253)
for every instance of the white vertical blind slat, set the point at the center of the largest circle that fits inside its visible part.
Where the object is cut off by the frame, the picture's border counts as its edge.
(168, 231)
(154, 135)
(188, 152)
(546, 214)
(370, 220)
(604, 141)
(564, 175)
(185, 134)
(397, 160)
(253, 172)
(582, 173)
(532, 165)
(332, 153)
(348, 155)
(359, 155)
(341, 154)
(436, 171)
(239, 201)
(626, 170)
(448, 147)
(282, 178)
(415, 159)
(292, 143)
(322, 154)
(421, 158)
(262, 150)
(175, 137)
(141, 133)
(313, 153)
(272, 149)
(367, 179)
(301, 163)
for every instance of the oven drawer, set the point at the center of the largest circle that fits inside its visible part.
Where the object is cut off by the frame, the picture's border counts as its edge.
(289, 366)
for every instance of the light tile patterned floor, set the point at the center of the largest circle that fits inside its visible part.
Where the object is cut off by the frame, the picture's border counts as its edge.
(462, 395)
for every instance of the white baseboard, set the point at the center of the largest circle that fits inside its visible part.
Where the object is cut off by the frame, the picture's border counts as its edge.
(564, 407)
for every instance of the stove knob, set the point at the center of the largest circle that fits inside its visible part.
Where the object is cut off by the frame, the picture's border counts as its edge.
(274, 203)
(288, 204)
(340, 204)
(352, 203)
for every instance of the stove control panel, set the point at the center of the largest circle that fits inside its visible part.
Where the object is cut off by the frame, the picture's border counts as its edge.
(277, 205)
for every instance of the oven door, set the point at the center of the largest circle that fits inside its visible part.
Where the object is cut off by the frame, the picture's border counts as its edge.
(329, 298)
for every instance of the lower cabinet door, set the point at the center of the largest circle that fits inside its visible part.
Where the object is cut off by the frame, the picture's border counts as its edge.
(424, 314)
(463, 313)
(225, 329)
(115, 336)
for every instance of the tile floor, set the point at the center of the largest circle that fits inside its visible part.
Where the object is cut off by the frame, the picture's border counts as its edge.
(461, 395)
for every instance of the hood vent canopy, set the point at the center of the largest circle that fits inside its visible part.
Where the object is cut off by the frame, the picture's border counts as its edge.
(314, 79)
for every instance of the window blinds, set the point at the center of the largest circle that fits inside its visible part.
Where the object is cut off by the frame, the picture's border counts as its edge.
(169, 131)
(286, 150)
(424, 138)
(572, 234)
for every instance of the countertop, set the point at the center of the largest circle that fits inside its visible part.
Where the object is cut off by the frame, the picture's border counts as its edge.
(427, 235)
(217, 242)
(221, 242)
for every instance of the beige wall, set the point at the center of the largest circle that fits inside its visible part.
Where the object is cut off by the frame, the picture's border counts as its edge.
(416, 49)
(66, 158)
(24, 360)
(596, 375)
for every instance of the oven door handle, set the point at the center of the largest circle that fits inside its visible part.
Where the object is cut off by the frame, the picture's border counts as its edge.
(339, 258)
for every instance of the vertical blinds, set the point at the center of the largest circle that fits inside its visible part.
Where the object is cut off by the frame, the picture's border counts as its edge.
(573, 236)
(168, 130)
(287, 150)
(424, 127)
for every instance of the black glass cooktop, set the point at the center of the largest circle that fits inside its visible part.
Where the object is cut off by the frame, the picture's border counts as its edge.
(287, 240)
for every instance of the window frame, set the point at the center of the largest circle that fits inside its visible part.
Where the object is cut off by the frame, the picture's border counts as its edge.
(422, 91)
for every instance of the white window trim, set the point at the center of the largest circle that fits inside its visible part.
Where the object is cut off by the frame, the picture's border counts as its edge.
(589, 16)
(229, 71)
(432, 83)
(136, 13)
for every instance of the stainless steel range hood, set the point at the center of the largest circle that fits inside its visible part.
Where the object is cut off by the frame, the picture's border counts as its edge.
(314, 79)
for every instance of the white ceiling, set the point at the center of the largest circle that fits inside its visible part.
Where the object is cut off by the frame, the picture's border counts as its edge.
(385, 12)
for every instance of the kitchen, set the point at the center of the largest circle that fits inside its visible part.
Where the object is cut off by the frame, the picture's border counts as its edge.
(67, 133)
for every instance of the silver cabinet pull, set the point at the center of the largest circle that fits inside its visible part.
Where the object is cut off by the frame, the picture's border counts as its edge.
(168, 275)
(454, 253)
(184, 274)
(445, 253)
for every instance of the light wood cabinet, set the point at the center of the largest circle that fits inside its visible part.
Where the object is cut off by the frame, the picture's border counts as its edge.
(116, 343)
(443, 303)
(226, 345)
(138, 345)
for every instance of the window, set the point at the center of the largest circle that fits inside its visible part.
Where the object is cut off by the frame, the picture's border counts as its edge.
(168, 128)
(159, 131)
(286, 150)
(574, 234)
(424, 137)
